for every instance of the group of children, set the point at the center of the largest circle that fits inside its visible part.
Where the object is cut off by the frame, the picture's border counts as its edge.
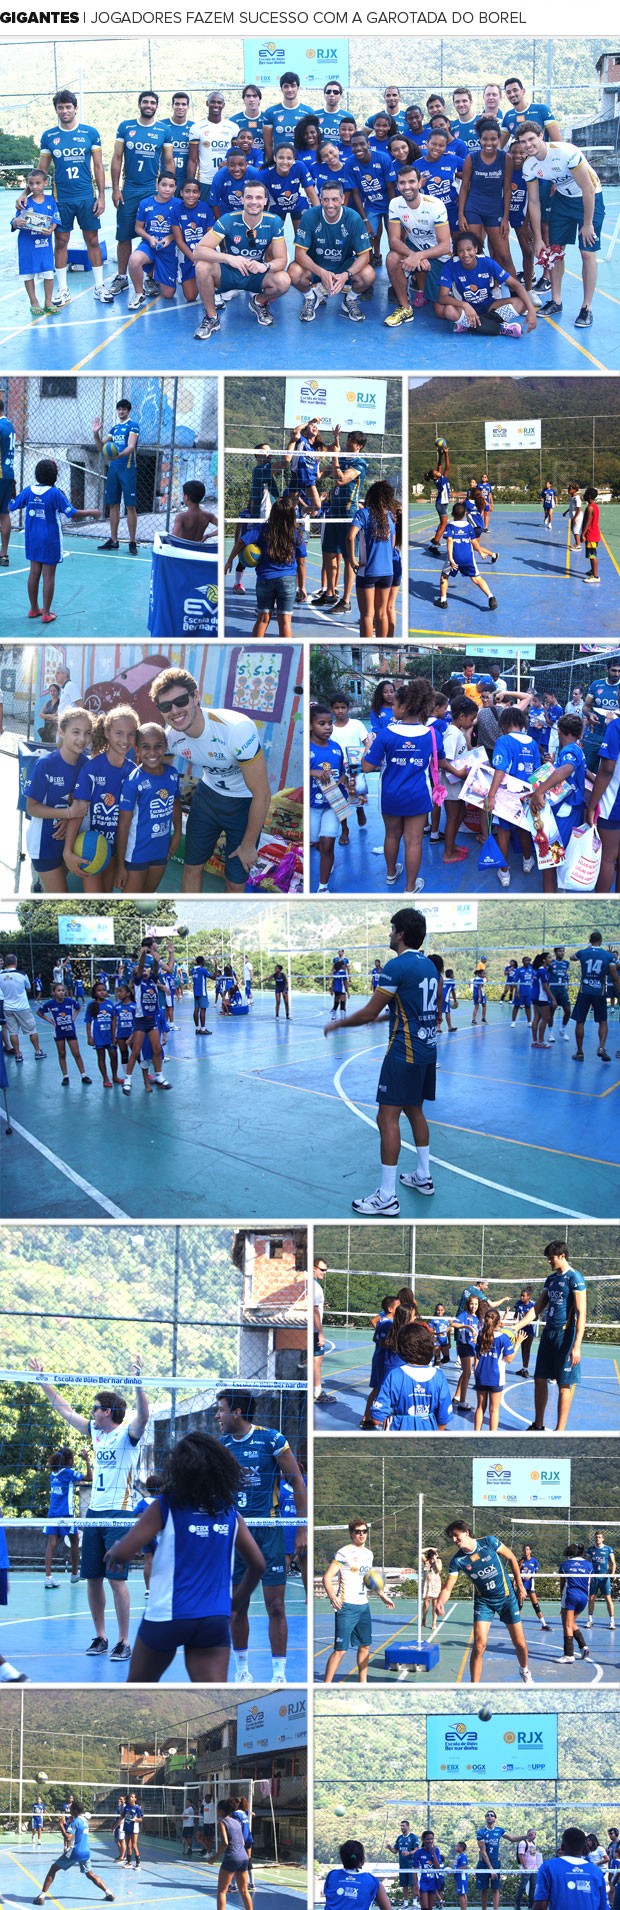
(128, 1025)
(235, 1841)
(581, 1864)
(409, 1391)
(111, 775)
(464, 521)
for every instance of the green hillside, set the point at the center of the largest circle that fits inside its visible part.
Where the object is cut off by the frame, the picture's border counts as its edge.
(81, 1737)
(366, 1262)
(387, 1485)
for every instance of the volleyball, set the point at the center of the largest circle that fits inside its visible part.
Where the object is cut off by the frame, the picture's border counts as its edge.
(92, 849)
(42, 1777)
(441, 444)
(249, 556)
(339, 1810)
(485, 1713)
(374, 1580)
(110, 449)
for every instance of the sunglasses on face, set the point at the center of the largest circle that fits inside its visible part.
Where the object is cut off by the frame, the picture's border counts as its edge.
(179, 702)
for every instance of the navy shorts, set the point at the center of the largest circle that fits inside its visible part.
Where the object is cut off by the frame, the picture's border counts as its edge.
(234, 1864)
(211, 816)
(144, 1025)
(191, 1634)
(77, 212)
(164, 263)
(600, 1587)
(121, 482)
(508, 1612)
(562, 997)
(43, 864)
(334, 540)
(7, 493)
(405, 1084)
(232, 280)
(374, 583)
(487, 216)
(353, 1627)
(96, 1541)
(566, 217)
(276, 593)
(583, 1005)
(273, 1547)
(4, 1585)
(553, 1358)
(126, 213)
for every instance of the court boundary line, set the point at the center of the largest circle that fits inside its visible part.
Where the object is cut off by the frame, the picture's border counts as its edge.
(568, 1213)
(86, 1186)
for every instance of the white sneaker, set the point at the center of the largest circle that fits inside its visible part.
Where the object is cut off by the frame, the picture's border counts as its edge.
(612, 1624)
(550, 1041)
(103, 295)
(588, 1624)
(278, 1681)
(52, 1584)
(528, 864)
(584, 1651)
(243, 1677)
(59, 299)
(564, 1036)
(375, 1205)
(421, 1183)
(391, 879)
(75, 1579)
(136, 303)
(503, 877)
(525, 1675)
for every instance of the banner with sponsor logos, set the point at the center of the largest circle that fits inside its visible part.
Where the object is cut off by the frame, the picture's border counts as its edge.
(512, 434)
(354, 404)
(264, 61)
(511, 1745)
(266, 1723)
(79, 931)
(521, 1482)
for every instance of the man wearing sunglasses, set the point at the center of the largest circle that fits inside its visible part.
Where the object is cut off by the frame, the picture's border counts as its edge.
(344, 1582)
(222, 749)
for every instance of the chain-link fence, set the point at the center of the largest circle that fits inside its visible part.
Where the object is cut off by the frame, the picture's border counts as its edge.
(176, 419)
(581, 447)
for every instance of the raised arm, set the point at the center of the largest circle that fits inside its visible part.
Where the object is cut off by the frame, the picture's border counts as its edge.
(56, 1400)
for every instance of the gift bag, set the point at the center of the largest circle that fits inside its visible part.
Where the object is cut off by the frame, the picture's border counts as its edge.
(582, 860)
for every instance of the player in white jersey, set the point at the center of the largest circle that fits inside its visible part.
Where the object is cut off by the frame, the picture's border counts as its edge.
(576, 212)
(419, 237)
(116, 1444)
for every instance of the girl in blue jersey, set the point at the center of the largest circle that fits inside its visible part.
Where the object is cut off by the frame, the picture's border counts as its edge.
(466, 1328)
(542, 1001)
(197, 1528)
(99, 1023)
(233, 1854)
(97, 793)
(494, 1352)
(461, 1874)
(567, 781)
(118, 1829)
(518, 217)
(43, 505)
(384, 128)
(515, 754)
(49, 799)
(144, 982)
(439, 475)
(351, 1887)
(428, 1862)
(404, 749)
(290, 183)
(382, 707)
(484, 197)
(61, 1011)
(241, 1812)
(280, 543)
(149, 821)
(414, 1395)
(373, 531)
(327, 765)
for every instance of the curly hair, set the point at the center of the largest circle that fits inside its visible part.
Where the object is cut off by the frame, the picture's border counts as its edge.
(200, 1472)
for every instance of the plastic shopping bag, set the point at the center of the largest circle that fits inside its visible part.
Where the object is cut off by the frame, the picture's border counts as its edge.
(582, 860)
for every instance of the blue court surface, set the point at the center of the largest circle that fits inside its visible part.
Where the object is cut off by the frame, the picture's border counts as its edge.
(538, 581)
(267, 1117)
(95, 592)
(308, 618)
(360, 865)
(454, 1635)
(595, 1407)
(86, 336)
(164, 1877)
(46, 1634)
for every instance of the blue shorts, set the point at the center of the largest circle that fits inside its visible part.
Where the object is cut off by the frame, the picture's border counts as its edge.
(583, 1005)
(553, 1358)
(7, 493)
(353, 1627)
(126, 213)
(488, 216)
(187, 269)
(211, 816)
(545, 194)
(273, 1547)
(374, 215)
(69, 1861)
(59, 1531)
(517, 219)
(508, 1612)
(77, 212)
(565, 218)
(44, 865)
(121, 482)
(405, 1084)
(144, 1024)
(4, 1584)
(466, 569)
(431, 280)
(562, 996)
(164, 263)
(96, 1541)
(276, 593)
(488, 1879)
(192, 1634)
(600, 1587)
(231, 280)
(574, 1600)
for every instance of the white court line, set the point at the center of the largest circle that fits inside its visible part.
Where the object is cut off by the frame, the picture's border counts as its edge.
(101, 1200)
(480, 1180)
(512, 1409)
(402, 1675)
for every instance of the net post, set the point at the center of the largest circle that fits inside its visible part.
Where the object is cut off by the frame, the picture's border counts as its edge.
(420, 1523)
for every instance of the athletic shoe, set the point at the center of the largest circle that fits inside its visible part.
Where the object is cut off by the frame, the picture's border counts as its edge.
(525, 1675)
(325, 1399)
(65, 1081)
(310, 303)
(321, 597)
(339, 603)
(391, 879)
(119, 283)
(277, 1681)
(552, 307)
(127, 1085)
(111, 543)
(568, 1658)
(240, 588)
(52, 1584)
(261, 313)
(103, 295)
(492, 603)
(503, 877)
(435, 548)
(138, 301)
(243, 1677)
(120, 1654)
(441, 603)
(461, 324)
(98, 1648)
(351, 308)
(59, 299)
(603, 1055)
(512, 330)
(564, 1036)
(374, 1205)
(612, 1624)
(550, 1042)
(4, 563)
(494, 556)
(207, 326)
(87, 1081)
(402, 316)
(151, 290)
(588, 1624)
(545, 1626)
(584, 318)
(75, 1578)
(536, 300)
(40, 1056)
(543, 284)
(591, 580)
(133, 550)
(528, 864)
(421, 1183)
(584, 1651)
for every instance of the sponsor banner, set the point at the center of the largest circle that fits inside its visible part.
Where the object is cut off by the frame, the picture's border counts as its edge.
(78, 931)
(521, 1482)
(512, 434)
(276, 1720)
(354, 404)
(505, 1747)
(264, 62)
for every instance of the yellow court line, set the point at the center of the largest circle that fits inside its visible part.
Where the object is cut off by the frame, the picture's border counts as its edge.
(568, 546)
(617, 1367)
(111, 338)
(599, 289)
(34, 1880)
(590, 1160)
(505, 1081)
(465, 1657)
(577, 346)
(610, 554)
(612, 1090)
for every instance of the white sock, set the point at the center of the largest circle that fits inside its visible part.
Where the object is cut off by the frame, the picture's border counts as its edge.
(159, 1077)
(388, 1182)
(241, 1660)
(61, 277)
(278, 1667)
(98, 274)
(424, 1162)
